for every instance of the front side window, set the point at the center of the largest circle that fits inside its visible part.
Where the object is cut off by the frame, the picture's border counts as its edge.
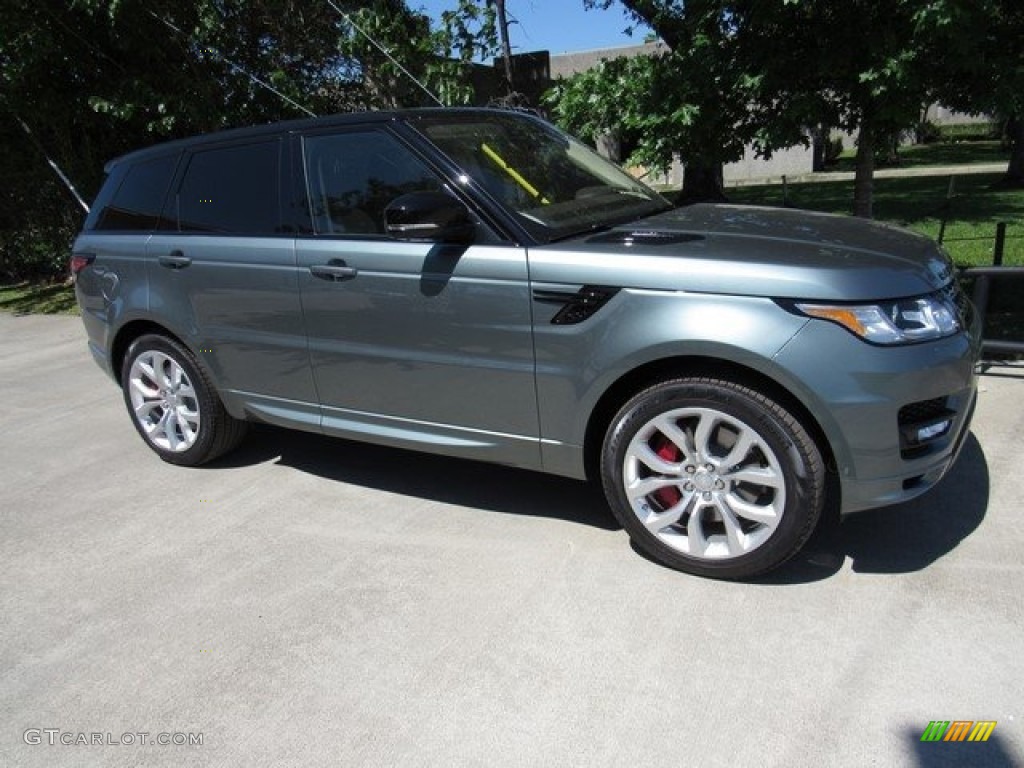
(555, 186)
(352, 177)
(231, 189)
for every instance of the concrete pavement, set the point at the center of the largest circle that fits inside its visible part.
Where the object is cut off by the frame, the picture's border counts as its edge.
(311, 602)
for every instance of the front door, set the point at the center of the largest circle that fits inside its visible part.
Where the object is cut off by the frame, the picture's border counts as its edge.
(414, 344)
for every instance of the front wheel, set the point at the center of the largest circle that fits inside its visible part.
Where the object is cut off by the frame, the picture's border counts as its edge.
(173, 405)
(713, 478)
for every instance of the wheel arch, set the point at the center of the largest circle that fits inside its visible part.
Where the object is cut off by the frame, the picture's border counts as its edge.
(654, 371)
(128, 333)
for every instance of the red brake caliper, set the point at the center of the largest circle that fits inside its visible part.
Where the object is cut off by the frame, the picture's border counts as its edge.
(668, 496)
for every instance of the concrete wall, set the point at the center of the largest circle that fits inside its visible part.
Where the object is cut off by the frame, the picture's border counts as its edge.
(794, 161)
(942, 116)
(567, 64)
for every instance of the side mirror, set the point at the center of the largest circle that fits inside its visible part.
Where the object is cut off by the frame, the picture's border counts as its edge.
(434, 217)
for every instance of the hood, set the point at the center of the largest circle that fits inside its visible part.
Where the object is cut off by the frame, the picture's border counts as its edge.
(750, 251)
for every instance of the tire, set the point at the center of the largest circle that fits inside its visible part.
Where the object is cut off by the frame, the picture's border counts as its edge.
(713, 478)
(173, 405)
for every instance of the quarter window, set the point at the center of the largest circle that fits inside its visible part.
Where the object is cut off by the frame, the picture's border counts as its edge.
(352, 177)
(137, 202)
(231, 189)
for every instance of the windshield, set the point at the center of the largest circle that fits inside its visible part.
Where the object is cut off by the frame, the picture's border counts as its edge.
(554, 185)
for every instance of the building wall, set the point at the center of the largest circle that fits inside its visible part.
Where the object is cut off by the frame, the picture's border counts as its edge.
(568, 64)
(795, 161)
(943, 116)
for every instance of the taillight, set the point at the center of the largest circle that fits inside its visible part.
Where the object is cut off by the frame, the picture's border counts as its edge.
(80, 261)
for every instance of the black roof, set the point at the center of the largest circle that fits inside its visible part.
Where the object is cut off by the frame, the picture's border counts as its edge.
(292, 126)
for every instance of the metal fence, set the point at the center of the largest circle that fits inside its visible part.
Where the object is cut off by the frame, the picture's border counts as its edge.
(983, 277)
(998, 245)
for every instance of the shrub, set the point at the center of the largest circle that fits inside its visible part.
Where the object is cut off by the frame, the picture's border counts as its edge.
(970, 131)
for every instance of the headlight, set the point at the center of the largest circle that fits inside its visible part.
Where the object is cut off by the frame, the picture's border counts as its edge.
(891, 322)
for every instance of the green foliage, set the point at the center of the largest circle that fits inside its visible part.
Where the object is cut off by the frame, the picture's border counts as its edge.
(990, 129)
(604, 98)
(975, 51)
(440, 59)
(96, 78)
(748, 72)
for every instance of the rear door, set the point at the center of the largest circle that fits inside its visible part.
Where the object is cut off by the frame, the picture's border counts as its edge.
(223, 275)
(410, 343)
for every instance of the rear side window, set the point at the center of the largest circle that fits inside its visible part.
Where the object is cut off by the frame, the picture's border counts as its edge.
(137, 202)
(230, 190)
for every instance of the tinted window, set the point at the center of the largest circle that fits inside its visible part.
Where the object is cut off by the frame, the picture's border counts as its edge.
(231, 189)
(351, 178)
(136, 204)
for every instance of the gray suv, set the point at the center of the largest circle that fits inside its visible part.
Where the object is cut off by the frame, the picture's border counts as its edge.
(477, 284)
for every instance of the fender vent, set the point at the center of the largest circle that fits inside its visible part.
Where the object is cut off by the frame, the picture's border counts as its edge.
(578, 306)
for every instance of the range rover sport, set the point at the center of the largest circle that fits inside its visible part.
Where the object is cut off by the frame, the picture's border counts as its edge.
(477, 284)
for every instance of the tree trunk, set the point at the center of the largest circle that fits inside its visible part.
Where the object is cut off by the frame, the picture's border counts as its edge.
(702, 183)
(609, 145)
(864, 178)
(819, 147)
(1015, 169)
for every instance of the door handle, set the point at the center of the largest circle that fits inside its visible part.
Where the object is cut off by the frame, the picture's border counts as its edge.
(335, 270)
(174, 260)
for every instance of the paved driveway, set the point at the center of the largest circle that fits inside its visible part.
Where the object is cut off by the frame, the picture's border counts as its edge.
(316, 602)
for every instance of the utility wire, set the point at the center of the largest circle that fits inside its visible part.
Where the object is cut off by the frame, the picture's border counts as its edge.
(385, 51)
(53, 165)
(228, 61)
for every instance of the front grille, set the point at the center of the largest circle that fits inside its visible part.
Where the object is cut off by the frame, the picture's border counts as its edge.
(955, 294)
(924, 410)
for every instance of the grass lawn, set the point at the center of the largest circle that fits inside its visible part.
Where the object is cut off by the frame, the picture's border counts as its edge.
(920, 203)
(27, 298)
(939, 153)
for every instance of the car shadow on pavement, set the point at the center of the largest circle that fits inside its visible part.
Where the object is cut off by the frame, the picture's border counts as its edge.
(995, 752)
(898, 539)
(426, 476)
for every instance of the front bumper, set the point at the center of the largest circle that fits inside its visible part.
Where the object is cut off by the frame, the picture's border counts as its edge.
(862, 395)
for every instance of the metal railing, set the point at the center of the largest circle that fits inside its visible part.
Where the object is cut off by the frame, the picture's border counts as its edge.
(983, 277)
(998, 245)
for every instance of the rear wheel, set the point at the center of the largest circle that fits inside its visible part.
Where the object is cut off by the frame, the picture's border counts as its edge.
(173, 405)
(713, 478)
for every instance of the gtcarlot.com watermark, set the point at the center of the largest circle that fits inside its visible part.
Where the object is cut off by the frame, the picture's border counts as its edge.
(58, 736)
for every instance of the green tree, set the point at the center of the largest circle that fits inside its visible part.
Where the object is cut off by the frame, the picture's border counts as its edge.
(96, 78)
(767, 73)
(400, 61)
(689, 101)
(856, 65)
(976, 54)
